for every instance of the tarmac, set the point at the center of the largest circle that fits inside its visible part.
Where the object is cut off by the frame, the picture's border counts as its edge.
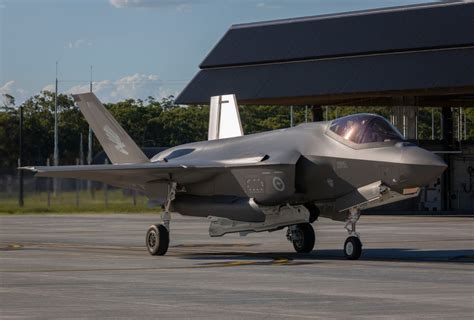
(96, 266)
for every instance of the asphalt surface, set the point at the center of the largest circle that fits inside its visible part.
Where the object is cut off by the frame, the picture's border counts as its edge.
(96, 266)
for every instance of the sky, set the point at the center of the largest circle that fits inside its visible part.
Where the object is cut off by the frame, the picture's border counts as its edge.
(137, 48)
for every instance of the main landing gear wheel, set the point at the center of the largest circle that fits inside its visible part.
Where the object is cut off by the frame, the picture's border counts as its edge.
(302, 237)
(157, 240)
(352, 248)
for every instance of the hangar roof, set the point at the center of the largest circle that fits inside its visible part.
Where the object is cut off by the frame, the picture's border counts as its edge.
(423, 52)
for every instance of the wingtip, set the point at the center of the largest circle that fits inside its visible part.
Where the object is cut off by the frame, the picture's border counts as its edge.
(34, 169)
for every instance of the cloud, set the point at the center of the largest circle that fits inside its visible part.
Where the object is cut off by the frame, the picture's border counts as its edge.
(78, 43)
(7, 87)
(136, 86)
(13, 90)
(178, 4)
(262, 5)
(269, 5)
(49, 87)
(186, 5)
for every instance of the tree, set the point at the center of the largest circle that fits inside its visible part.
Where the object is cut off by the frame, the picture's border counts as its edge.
(180, 125)
(135, 116)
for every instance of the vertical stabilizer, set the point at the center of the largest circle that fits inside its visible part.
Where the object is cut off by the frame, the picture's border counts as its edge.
(224, 118)
(117, 144)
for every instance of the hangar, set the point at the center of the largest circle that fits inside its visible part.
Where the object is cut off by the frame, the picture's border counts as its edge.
(403, 58)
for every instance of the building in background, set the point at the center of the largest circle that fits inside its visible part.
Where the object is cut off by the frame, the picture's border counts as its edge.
(404, 58)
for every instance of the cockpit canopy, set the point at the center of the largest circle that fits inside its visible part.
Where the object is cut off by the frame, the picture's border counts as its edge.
(365, 128)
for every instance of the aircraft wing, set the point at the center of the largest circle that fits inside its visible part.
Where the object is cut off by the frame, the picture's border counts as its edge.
(127, 175)
(136, 176)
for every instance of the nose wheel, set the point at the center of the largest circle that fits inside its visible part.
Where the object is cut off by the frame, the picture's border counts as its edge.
(352, 248)
(302, 236)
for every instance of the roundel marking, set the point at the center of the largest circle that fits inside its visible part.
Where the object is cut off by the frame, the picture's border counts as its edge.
(278, 184)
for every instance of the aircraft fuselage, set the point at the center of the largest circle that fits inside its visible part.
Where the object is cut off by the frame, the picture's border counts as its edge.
(307, 163)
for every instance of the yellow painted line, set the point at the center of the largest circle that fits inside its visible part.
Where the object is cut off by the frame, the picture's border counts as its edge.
(277, 261)
(281, 261)
(225, 264)
(11, 246)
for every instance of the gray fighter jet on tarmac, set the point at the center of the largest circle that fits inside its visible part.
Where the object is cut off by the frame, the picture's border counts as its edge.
(266, 181)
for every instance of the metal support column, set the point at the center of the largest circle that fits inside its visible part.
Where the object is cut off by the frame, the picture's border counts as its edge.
(448, 141)
(317, 113)
(291, 116)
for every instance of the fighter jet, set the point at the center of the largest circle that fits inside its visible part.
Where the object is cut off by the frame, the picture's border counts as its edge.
(268, 181)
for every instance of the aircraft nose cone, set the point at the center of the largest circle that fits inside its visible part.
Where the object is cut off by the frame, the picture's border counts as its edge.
(420, 156)
(420, 167)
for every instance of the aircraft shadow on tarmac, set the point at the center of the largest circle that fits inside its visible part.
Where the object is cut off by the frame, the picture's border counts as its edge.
(391, 254)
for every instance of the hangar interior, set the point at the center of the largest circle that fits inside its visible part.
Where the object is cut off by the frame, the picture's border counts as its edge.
(404, 58)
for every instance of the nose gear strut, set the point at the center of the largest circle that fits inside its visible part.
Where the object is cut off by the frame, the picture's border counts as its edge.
(352, 245)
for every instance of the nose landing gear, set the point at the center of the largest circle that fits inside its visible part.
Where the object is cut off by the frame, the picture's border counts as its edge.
(352, 248)
(352, 245)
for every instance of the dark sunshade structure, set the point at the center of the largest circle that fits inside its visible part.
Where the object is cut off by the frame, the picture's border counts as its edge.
(424, 53)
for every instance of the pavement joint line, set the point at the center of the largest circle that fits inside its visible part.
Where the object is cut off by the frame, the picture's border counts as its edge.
(112, 247)
(276, 261)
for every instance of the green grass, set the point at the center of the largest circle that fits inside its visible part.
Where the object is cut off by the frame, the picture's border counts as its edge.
(65, 202)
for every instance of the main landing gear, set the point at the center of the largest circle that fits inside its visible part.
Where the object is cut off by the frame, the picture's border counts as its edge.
(302, 236)
(157, 240)
(158, 235)
(352, 245)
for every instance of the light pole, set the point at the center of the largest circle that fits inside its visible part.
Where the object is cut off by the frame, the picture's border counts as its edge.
(10, 101)
(20, 160)
(89, 140)
(89, 146)
(56, 151)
